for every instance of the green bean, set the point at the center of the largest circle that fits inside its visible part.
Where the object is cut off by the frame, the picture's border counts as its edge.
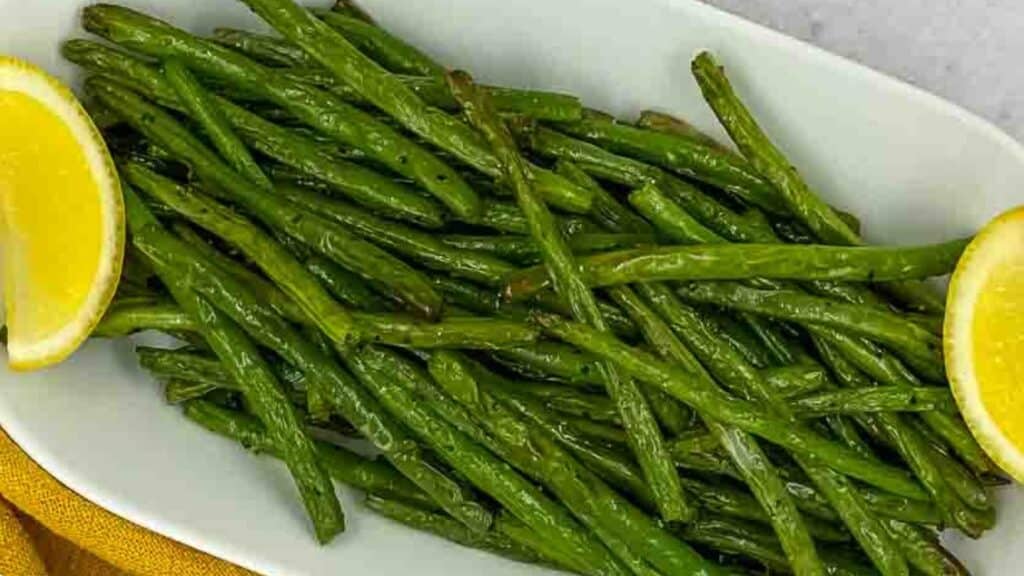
(362, 185)
(262, 48)
(924, 552)
(619, 322)
(733, 537)
(729, 368)
(606, 210)
(684, 156)
(888, 370)
(522, 249)
(638, 420)
(907, 338)
(273, 259)
(183, 391)
(661, 122)
(746, 261)
(326, 113)
(675, 223)
(722, 499)
(765, 158)
(121, 320)
(674, 417)
(706, 399)
(608, 514)
(345, 286)
(387, 329)
(886, 399)
(478, 333)
(395, 98)
(770, 163)
(508, 219)
(449, 529)
(795, 380)
(183, 365)
(568, 400)
(252, 374)
(746, 455)
(389, 51)
(909, 443)
(411, 243)
(271, 294)
(347, 398)
(702, 446)
(518, 532)
(343, 465)
(334, 241)
(375, 369)
(201, 107)
(604, 164)
(535, 104)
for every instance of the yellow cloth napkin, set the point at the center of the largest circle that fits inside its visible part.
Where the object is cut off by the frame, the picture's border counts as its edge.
(48, 530)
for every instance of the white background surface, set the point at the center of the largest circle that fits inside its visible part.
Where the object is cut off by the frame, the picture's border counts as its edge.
(967, 51)
(915, 169)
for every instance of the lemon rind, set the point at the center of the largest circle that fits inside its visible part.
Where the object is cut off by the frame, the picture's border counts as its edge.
(20, 76)
(995, 243)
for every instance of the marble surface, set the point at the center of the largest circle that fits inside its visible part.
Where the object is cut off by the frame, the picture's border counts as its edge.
(967, 51)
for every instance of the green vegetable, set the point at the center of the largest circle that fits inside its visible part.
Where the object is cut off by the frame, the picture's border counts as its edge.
(334, 241)
(729, 368)
(252, 374)
(389, 51)
(770, 163)
(669, 218)
(393, 97)
(889, 328)
(343, 465)
(685, 156)
(886, 399)
(411, 243)
(909, 443)
(447, 528)
(617, 522)
(884, 368)
(262, 48)
(746, 261)
(534, 104)
(662, 122)
(522, 249)
(346, 397)
(607, 211)
(629, 172)
(320, 110)
(345, 286)
(123, 319)
(732, 537)
(201, 107)
(640, 425)
(287, 146)
(378, 372)
(673, 416)
(744, 415)
(923, 550)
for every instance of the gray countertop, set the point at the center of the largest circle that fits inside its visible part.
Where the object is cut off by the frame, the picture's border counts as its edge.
(967, 51)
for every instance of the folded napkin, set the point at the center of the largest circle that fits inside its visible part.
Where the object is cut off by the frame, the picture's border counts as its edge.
(48, 530)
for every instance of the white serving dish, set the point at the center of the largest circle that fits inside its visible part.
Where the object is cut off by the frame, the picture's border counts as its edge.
(914, 167)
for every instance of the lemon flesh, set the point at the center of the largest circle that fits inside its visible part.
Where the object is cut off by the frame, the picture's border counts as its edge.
(984, 339)
(62, 218)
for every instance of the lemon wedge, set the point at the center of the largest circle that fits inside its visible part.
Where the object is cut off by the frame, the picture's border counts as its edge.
(984, 339)
(61, 218)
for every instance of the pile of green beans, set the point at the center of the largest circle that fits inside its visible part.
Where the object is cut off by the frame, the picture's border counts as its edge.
(605, 347)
